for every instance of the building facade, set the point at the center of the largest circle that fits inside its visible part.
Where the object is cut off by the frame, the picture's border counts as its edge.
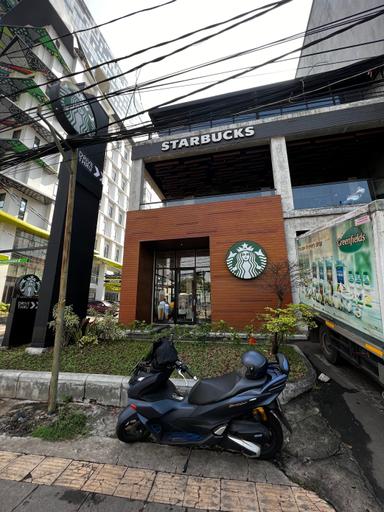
(240, 176)
(35, 48)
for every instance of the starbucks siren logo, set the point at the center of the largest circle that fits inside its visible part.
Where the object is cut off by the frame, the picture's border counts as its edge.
(246, 260)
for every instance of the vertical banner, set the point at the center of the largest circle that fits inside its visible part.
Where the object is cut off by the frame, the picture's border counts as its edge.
(77, 115)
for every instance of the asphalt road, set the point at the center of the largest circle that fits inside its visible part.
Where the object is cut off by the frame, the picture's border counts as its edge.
(353, 405)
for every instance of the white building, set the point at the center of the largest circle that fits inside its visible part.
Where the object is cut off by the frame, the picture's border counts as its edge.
(31, 55)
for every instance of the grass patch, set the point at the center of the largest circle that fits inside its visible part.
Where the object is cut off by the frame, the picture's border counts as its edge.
(119, 358)
(68, 425)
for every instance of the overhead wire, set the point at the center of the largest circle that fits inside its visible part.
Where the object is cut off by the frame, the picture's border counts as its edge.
(265, 63)
(94, 27)
(152, 81)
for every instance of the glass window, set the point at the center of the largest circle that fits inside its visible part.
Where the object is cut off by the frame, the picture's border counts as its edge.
(117, 258)
(202, 258)
(185, 258)
(165, 259)
(36, 142)
(123, 183)
(114, 175)
(110, 210)
(16, 134)
(106, 250)
(120, 217)
(22, 208)
(2, 200)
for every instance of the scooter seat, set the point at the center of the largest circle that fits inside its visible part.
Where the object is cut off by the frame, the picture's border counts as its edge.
(208, 391)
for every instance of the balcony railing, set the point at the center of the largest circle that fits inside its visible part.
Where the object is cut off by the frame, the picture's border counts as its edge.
(344, 193)
(207, 199)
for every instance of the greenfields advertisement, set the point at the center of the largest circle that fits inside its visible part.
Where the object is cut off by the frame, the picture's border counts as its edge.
(339, 274)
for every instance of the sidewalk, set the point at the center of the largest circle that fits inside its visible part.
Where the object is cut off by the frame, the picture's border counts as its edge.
(30, 482)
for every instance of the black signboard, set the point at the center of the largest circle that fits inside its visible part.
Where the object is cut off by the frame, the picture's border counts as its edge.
(88, 192)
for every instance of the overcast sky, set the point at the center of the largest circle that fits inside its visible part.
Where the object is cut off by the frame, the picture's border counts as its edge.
(183, 16)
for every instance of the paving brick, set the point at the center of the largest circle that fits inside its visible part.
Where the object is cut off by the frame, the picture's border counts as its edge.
(6, 458)
(48, 471)
(77, 473)
(105, 480)
(19, 468)
(203, 493)
(308, 501)
(279, 497)
(135, 484)
(168, 488)
(238, 496)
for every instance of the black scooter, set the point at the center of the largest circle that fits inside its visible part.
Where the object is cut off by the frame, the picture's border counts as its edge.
(238, 411)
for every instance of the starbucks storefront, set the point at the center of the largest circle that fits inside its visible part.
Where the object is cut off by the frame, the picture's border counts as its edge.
(201, 263)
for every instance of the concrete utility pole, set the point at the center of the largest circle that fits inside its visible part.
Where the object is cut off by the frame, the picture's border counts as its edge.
(59, 331)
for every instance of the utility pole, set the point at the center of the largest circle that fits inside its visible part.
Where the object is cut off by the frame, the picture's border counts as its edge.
(59, 328)
(59, 331)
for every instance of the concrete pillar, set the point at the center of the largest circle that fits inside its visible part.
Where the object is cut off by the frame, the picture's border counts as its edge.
(281, 175)
(137, 185)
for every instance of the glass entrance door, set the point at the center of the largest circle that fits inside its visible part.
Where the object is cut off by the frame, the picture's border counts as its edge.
(182, 286)
(185, 296)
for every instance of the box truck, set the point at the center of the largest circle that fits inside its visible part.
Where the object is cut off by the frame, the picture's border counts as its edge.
(342, 279)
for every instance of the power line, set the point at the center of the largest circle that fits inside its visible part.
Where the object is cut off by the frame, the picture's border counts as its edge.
(252, 68)
(273, 43)
(75, 32)
(138, 52)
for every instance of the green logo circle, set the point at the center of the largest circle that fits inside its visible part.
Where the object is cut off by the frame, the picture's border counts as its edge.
(246, 260)
(76, 109)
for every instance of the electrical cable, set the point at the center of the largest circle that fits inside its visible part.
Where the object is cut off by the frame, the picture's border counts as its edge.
(127, 90)
(138, 52)
(75, 32)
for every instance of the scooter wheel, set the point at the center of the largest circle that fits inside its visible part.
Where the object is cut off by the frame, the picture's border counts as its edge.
(275, 443)
(131, 431)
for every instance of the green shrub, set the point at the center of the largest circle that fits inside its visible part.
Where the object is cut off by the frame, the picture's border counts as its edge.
(105, 328)
(72, 325)
(88, 340)
(68, 425)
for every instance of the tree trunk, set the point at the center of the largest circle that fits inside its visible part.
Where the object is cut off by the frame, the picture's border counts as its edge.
(275, 344)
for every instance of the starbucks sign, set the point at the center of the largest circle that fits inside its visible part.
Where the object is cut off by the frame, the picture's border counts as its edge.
(72, 108)
(246, 260)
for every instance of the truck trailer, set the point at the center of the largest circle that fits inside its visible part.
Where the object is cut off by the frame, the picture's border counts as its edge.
(342, 279)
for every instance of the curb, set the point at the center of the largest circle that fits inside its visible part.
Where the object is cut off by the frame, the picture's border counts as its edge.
(108, 389)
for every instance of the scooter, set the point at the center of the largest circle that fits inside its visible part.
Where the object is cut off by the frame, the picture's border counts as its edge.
(238, 411)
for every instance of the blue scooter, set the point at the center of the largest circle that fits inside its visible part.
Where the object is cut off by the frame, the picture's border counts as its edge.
(238, 411)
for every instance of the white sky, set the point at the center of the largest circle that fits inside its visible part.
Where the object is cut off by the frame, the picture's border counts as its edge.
(142, 30)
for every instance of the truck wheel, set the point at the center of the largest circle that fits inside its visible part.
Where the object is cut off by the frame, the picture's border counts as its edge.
(330, 352)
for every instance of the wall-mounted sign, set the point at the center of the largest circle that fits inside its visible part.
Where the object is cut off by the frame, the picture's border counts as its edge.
(208, 138)
(73, 112)
(28, 285)
(246, 260)
(14, 261)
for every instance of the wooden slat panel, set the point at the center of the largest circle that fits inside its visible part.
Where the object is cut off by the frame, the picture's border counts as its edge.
(233, 300)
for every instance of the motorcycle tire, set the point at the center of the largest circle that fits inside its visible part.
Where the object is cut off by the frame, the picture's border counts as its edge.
(330, 352)
(131, 431)
(270, 449)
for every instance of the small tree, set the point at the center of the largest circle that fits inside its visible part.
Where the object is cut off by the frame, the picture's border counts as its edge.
(280, 277)
(280, 323)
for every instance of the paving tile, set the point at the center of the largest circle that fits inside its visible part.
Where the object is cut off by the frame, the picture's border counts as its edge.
(308, 501)
(13, 493)
(102, 503)
(279, 497)
(52, 499)
(6, 457)
(77, 473)
(135, 484)
(48, 471)
(203, 493)
(19, 468)
(238, 496)
(105, 480)
(168, 488)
